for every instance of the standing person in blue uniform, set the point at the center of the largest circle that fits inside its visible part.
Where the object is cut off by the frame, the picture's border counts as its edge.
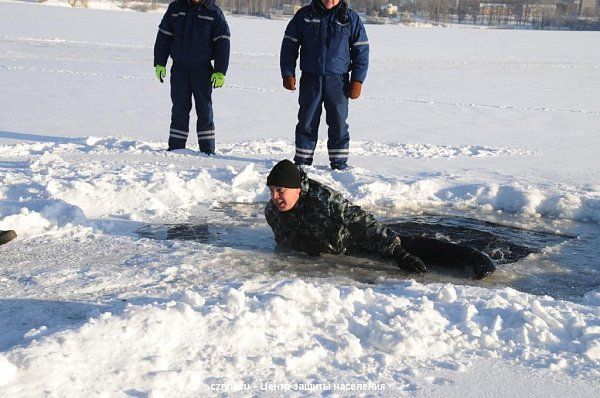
(334, 58)
(193, 33)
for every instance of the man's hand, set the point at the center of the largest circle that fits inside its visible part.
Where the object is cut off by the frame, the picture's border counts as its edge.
(354, 89)
(410, 263)
(289, 82)
(217, 79)
(161, 72)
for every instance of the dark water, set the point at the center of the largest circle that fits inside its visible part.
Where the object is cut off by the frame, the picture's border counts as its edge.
(561, 265)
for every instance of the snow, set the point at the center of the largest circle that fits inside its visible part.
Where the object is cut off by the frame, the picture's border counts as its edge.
(491, 124)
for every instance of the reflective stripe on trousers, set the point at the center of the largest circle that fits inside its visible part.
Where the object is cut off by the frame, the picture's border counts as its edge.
(185, 83)
(316, 91)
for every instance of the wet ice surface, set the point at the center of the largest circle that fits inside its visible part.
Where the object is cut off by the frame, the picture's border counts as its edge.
(531, 257)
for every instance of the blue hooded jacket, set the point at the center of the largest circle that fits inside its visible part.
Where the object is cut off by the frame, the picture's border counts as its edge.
(331, 42)
(193, 35)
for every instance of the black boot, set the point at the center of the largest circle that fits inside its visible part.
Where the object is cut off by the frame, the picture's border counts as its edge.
(340, 166)
(410, 263)
(7, 236)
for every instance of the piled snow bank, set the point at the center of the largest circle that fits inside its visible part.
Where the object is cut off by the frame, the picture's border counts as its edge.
(140, 194)
(54, 217)
(141, 181)
(563, 203)
(292, 331)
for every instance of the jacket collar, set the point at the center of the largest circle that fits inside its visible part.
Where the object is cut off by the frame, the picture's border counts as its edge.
(304, 182)
(304, 188)
(341, 10)
(209, 4)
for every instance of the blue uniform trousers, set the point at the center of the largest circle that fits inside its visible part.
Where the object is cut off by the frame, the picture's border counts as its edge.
(185, 83)
(316, 91)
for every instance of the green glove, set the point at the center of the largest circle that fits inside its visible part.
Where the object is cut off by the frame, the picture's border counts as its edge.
(217, 79)
(161, 72)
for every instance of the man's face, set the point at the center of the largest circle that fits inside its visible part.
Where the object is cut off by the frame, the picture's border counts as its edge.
(284, 198)
(329, 4)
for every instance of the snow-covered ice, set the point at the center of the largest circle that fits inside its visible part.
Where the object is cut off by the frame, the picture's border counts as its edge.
(489, 124)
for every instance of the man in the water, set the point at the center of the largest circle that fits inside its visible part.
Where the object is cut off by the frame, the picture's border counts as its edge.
(308, 216)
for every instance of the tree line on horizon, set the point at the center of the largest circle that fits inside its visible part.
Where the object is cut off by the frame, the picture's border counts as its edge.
(536, 14)
(572, 14)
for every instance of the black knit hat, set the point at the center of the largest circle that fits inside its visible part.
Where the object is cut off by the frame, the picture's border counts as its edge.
(285, 174)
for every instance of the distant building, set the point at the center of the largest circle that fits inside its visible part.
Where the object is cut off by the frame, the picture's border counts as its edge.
(389, 10)
(539, 10)
(495, 9)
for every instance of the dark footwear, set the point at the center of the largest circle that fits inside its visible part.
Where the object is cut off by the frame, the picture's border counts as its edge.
(340, 166)
(411, 263)
(7, 236)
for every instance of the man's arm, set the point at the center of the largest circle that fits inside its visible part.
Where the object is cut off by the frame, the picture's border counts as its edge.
(359, 51)
(374, 235)
(221, 40)
(162, 45)
(290, 46)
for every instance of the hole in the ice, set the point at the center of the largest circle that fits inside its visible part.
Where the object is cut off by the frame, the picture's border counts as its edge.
(545, 263)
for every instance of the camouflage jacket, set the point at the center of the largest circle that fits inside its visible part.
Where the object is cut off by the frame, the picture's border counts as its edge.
(322, 221)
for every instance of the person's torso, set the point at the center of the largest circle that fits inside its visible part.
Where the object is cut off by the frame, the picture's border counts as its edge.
(192, 43)
(326, 40)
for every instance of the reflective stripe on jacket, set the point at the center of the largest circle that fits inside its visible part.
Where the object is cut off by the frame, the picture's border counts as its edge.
(330, 42)
(193, 35)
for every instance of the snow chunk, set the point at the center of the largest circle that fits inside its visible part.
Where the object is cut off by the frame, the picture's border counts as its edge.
(559, 365)
(28, 223)
(44, 161)
(447, 294)
(92, 141)
(469, 312)
(7, 371)
(593, 350)
(304, 362)
(235, 300)
(350, 348)
(193, 299)
(247, 184)
(300, 292)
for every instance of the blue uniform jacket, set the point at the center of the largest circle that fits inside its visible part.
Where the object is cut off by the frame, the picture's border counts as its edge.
(193, 35)
(331, 42)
